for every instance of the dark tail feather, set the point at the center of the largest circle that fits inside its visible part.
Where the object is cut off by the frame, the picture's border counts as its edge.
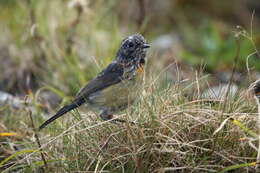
(61, 112)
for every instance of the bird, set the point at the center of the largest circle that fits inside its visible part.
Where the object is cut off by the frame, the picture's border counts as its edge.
(256, 89)
(115, 87)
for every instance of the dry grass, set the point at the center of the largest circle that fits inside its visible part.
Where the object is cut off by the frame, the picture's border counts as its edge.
(172, 132)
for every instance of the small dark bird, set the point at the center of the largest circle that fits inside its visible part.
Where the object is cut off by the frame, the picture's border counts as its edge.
(256, 89)
(115, 88)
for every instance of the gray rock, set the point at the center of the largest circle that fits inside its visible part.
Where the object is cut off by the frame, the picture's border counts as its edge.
(167, 42)
(225, 76)
(10, 100)
(219, 92)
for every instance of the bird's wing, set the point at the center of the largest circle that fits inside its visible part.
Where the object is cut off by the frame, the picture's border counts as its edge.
(113, 74)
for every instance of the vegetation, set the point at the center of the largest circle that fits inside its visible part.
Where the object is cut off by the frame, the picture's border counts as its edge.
(49, 49)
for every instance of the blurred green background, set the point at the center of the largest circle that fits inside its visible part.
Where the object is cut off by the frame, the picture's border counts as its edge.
(64, 43)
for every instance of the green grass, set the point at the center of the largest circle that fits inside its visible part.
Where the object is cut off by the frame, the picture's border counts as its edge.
(174, 128)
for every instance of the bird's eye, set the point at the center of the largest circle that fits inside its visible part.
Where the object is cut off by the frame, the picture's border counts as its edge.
(131, 44)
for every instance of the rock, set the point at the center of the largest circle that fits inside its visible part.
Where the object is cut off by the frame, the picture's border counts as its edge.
(225, 76)
(167, 42)
(257, 75)
(219, 92)
(10, 100)
(48, 101)
(163, 42)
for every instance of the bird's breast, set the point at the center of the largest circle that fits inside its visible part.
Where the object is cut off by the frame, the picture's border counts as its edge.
(118, 96)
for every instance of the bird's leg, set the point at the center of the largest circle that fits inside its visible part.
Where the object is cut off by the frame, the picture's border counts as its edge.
(107, 116)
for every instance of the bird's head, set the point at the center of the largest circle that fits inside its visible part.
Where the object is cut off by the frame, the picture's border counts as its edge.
(132, 50)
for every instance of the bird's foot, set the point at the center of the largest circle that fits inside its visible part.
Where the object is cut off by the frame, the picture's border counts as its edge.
(107, 117)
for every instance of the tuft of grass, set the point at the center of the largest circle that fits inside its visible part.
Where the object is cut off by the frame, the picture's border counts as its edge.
(173, 132)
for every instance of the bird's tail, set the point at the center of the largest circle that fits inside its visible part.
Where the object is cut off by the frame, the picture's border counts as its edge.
(61, 112)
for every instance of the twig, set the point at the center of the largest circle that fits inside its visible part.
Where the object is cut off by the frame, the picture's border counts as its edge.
(107, 141)
(250, 38)
(232, 76)
(142, 13)
(38, 142)
(198, 85)
(251, 34)
(72, 30)
(229, 86)
(37, 38)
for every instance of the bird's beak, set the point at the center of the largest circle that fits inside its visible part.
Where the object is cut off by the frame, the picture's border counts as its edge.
(145, 46)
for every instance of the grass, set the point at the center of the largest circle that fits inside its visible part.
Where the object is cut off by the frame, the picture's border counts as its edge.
(173, 132)
(176, 129)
